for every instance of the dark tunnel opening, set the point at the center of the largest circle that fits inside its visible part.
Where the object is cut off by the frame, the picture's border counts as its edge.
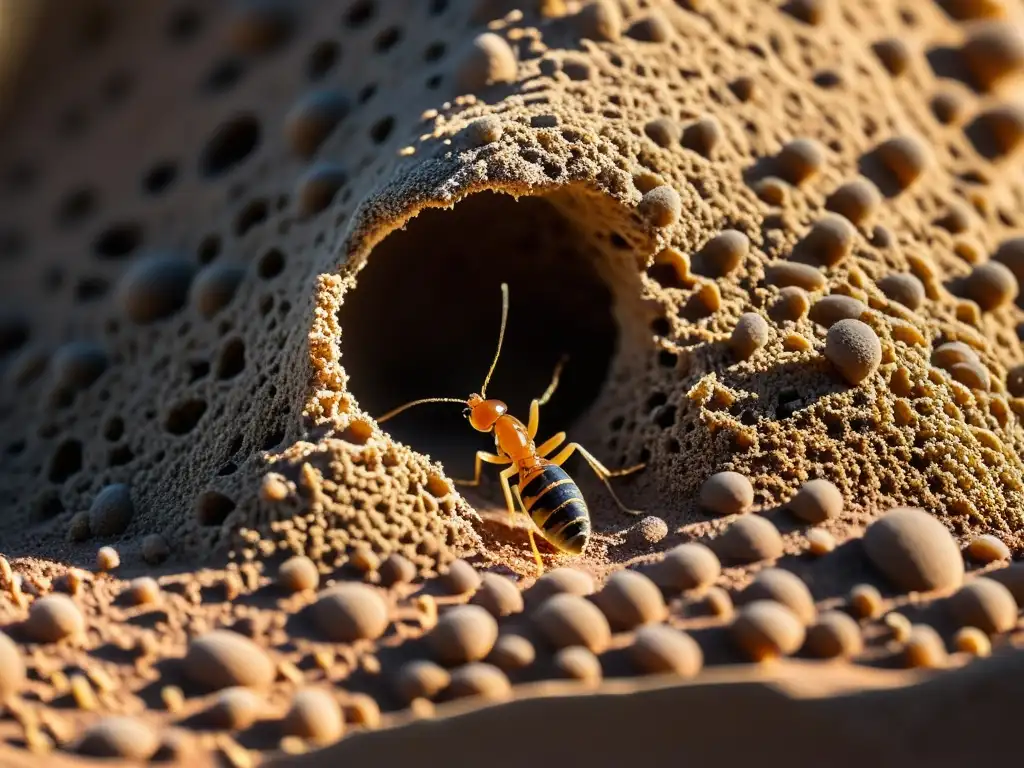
(424, 317)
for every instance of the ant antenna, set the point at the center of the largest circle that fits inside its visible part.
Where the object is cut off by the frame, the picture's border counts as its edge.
(399, 409)
(501, 336)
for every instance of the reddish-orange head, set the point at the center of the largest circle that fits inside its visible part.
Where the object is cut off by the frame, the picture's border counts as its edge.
(482, 414)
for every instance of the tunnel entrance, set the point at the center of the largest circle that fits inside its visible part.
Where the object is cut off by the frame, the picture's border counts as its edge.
(424, 317)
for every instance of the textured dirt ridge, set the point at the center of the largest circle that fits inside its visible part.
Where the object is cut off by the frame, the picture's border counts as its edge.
(778, 245)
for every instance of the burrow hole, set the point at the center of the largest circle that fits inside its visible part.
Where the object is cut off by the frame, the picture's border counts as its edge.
(424, 317)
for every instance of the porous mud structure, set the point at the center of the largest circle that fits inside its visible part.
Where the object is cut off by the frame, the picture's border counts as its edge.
(779, 246)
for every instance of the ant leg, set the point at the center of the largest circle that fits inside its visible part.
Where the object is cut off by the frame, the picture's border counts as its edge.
(534, 422)
(550, 444)
(601, 471)
(529, 532)
(505, 475)
(482, 456)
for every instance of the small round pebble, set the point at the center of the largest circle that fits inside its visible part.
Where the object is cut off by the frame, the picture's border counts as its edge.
(78, 364)
(999, 129)
(489, 60)
(820, 542)
(949, 107)
(154, 287)
(463, 634)
(12, 668)
(111, 511)
(397, 569)
(144, 590)
(660, 649)
(924, 648)
(260, 26)
(766, 629)
(1015, 381)
(703, 136)
(894, 53)
(914, 551)
(119, 736)
(234, 709)
(601, 20)
(829, 310)
(817, 500)
(566, 620)
(986, 604)
(498, 595)
(215, 287)
(951, 353)
(973, 375)
(1011, 253)
(54, 617)
(107, 559)
(993, 52)
(905, 158)
(834, 635)
(866, 601)
(421, 679)
(558, 581)
(651, 29)
(899, 625)
(460, 578)
(988, 549)
(687, 566)
(726, 493)
(578, 663)
(791, 305)
(718, 602)
(484, 130)
(857, 200)
(750, 539)
(479, 679)
(662, 206)
(663, 131)
(155, 549)
(314, 715)
(830, 240)
(649, 530)
(750, 334)
(783, 587)
(351, 612)
(784, 273)
(224, 659)
(630, 599)
(313, 118)
(973, 641)
(316, 188)
(903, 288)
(811, 12)
(298, 574)
(722, 254)
(800, 159)
(512, 652)
(854, 349)
(991, 285)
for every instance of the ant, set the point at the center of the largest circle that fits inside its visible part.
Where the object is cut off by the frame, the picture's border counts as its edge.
(545, 492)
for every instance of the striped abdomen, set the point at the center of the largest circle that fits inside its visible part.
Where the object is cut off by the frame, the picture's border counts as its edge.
(557, 507)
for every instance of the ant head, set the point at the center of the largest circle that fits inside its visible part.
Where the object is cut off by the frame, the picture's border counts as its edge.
(483, 413)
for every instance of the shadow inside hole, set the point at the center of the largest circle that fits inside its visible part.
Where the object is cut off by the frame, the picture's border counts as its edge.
(423, 321)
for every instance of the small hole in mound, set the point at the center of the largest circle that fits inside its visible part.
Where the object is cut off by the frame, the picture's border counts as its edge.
(254, 214)
(360, 14)
(118, 241)
(428, 327)
(76, 207)
(232, 359)
(387, 39)
(159, 177)
(382, 129)
(322, 59)
(66, 461)
(183, 418)
(271, 264)
(209, 249)
(224, 76)
(184, 24)
(230, 145)
(213, 508)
